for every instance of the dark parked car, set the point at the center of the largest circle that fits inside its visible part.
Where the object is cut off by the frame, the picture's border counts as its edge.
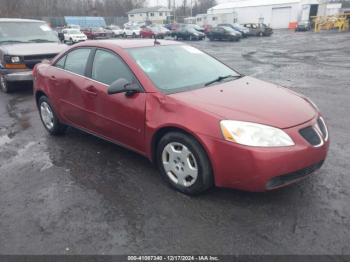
(243, 30)
(23, 44)
(303, 26)
(196, 27)
(198, 120)
(224, 33)
(259, 29)
(109, 32)
(187, 32)
(95, 33)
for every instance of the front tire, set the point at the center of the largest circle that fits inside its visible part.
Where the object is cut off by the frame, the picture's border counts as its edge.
(184, 164)
(49, 118)
(5, 86)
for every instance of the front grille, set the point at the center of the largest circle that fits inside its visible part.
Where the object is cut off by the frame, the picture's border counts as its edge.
(32, 60)
(310, 135)
(291, 177)
(322, 126)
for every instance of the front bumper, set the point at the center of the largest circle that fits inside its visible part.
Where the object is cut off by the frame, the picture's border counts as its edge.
(17, 75)
(262, 169)
(78, 40)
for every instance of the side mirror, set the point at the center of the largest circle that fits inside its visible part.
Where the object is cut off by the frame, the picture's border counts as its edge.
(122, 86)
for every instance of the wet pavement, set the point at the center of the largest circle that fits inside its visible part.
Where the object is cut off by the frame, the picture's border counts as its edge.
(78, 194)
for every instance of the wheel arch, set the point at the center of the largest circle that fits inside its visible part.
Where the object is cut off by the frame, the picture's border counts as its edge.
(39, 94)
(167, 129)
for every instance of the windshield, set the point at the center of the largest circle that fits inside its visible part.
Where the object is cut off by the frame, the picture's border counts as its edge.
(197, 27)
(74, 26)
(238, 26)
(98, 30)
(229, 29)
(26, 32)
(177, 68)
(74, 32)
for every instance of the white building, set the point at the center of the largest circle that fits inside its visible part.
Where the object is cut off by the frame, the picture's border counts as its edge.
(156, 14)
(276, 13)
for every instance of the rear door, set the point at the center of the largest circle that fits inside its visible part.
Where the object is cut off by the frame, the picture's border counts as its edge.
(254, 29)
(117, 117)
(68, 86)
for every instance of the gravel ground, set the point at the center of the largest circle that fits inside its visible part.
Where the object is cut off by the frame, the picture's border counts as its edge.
(77, 194)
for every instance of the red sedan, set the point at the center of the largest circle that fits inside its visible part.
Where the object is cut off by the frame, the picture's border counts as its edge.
(201, 122)
(95, 33)
(154, 31)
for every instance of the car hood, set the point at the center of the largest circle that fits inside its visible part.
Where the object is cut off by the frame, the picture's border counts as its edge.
(34, 49)
(252, 100)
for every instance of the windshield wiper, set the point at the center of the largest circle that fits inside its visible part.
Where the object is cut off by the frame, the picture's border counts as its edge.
(221, 78)
(41, 41)
(11, 41)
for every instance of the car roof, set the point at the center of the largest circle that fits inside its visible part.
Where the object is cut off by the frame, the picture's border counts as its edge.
(125, 44)
(19, 20)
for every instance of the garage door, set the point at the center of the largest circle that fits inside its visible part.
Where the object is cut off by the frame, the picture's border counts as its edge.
(280, 17)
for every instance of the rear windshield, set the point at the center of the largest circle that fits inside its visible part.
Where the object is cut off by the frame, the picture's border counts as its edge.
(27, 32)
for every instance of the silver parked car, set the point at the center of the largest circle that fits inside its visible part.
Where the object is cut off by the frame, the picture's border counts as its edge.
(23, 44)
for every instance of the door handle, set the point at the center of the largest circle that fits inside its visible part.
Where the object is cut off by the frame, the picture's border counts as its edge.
(91, 91)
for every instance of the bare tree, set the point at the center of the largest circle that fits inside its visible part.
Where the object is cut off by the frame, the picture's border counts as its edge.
(56, 8)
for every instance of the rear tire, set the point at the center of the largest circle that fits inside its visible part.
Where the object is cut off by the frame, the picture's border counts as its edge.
(49, 118)
(5, 86)
(184, 164)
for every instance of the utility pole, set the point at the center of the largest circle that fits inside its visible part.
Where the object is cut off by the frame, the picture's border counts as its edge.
(191, 7)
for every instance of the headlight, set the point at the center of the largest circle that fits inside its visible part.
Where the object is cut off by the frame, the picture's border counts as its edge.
(15, 59)
(251, 134)
(14, 62)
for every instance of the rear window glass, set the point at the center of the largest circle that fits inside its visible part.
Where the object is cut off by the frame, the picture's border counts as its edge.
(76, 61)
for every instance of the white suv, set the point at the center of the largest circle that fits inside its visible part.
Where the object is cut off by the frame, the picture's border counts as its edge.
(133, 31)
(73, 35)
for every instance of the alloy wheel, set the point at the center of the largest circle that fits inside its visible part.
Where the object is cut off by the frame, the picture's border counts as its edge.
(47, 115)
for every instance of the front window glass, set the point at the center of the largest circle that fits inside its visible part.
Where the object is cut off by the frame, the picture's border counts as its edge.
(60, 63)
(27, 32)
(108, 68)
(176, 68)
(76, 61)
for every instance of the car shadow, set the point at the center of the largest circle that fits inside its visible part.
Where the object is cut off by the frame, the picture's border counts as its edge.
(113, 171)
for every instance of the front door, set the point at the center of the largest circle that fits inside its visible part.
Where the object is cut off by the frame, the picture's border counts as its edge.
(118, 117)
